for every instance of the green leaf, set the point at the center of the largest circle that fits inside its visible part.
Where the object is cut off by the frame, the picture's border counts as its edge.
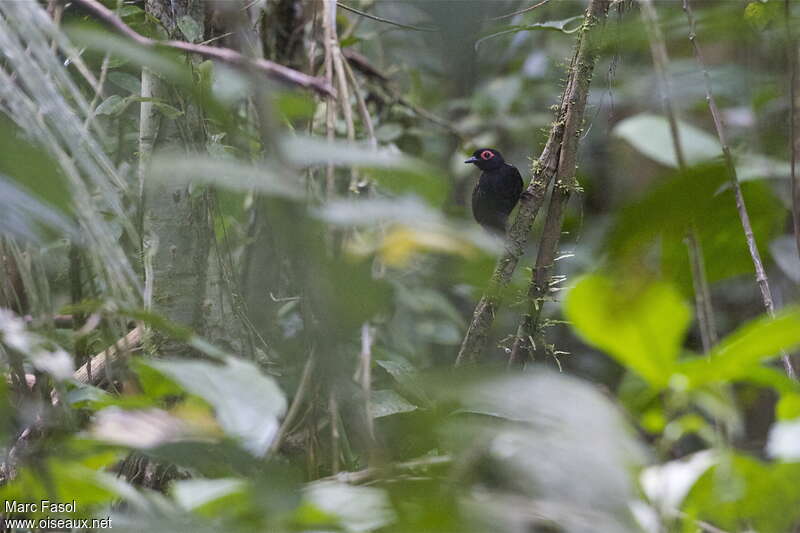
(228, 174)
(388, 402)
(112, 106)
(682, 202)
(543, 433)
(190, 28)
(295, 105)
(167, 110)
(247, 403)
(128, 10)
(650, 135)
(391, 169)
(744, 494)
(125, 81)
(33, 170)
(642, 327)
(167, 63)
(389, 132)
(736, 355)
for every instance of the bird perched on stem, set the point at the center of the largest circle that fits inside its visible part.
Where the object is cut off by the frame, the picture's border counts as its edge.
(497, 191)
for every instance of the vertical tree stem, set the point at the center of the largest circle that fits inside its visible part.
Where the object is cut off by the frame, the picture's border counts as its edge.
(705, 312)
(793, 142)
(741, 207)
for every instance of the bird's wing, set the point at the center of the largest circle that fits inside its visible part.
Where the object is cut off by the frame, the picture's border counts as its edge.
(511, 189)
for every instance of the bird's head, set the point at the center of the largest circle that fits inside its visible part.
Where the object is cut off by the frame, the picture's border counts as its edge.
(486, 159)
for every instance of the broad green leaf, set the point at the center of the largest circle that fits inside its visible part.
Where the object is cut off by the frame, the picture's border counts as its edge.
(788, 407)
(227, 174)
(125, 81)
(27, 217)
(543, 433)
(683, 203)
(650, 135)
(641, 326)
(34, 171)
(389, 132)
(391, 169)
(736, 355)
(112, 106)
(388, 402)
(248, 403)
(744, 494)
(165, 62)
(190, 28)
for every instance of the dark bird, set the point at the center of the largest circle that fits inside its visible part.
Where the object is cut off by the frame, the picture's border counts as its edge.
(497, 191)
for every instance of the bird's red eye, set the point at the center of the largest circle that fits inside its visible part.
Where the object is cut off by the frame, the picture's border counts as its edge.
(486, 155)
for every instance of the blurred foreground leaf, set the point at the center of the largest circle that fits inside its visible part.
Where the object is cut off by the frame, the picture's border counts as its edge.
(357, 509)
(742, 494)
(541, 433)
(247, 403)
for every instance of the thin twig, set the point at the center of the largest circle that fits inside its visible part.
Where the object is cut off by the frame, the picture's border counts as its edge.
(363, 65)
(557, 159)
(793, 148)
(94, 370)
(269, 68)
(705, 313)
(520, 12)
(333, 410)
(741, 207)
(328, 21)
(368, 474)
(98, 93)
(366, 118)
(365, 361)
(385, 21)
(297, 403)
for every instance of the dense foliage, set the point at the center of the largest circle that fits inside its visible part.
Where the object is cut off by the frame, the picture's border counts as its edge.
(239, 267)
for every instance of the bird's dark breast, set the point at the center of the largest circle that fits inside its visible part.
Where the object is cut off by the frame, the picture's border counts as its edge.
(495, 196)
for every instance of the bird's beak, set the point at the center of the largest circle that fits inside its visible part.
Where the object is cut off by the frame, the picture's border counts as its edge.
(471, 160)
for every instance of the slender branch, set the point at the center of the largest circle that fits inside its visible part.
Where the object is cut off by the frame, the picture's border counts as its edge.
(557, 159)
(333, 409)
(328, 36)
(269, 68)
(385, 21)
(369, 474)
(297, 402)
(793, 147)
(365, 360)
(705, 313)
(741, 207)
(363, 111)
(94, 370)
(521, 11)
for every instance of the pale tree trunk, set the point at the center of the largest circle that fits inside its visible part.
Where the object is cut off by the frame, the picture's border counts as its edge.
(176, 222)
